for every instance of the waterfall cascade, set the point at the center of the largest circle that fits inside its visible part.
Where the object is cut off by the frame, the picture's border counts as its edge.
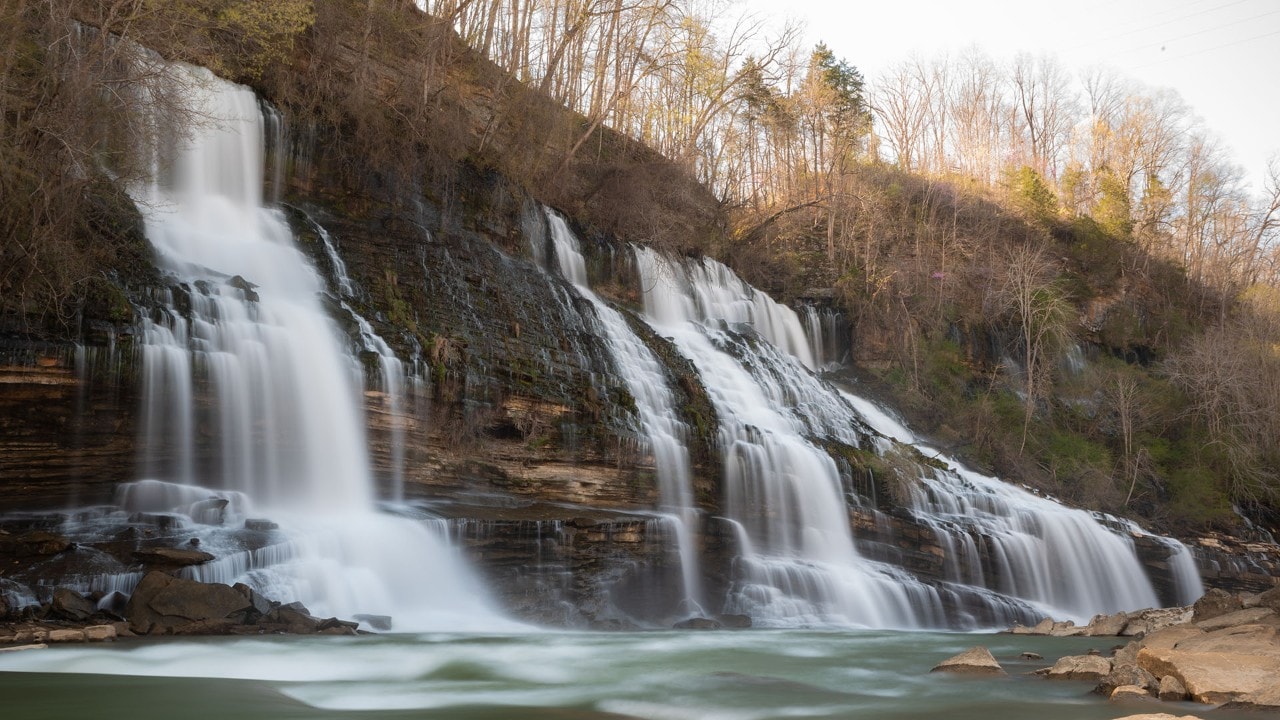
(244, 353)
(642, 372)
(787, 502)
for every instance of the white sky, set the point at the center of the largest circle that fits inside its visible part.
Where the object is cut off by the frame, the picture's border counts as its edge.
(1222, 56)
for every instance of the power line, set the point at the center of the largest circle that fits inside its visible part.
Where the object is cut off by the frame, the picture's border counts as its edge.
(1162, 43)
(1157, 25)
(1233, 43)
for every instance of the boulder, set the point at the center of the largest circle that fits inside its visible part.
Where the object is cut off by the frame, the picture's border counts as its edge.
(258, 605)
(161, 603)
(72, 605)
(1030, 656)
(1248, 616)
(173, 557)
(1170, 636)
(1106, 625)
(1233, 665)
(1270, 599)
(294, 618)
(1129, 692)
(100, 633)
(66, 636)
(736, 622)
(1127, 655)
(1079, 667)
(1044, 627)
(1171, 690)
(260, 525)
(974, 661)
(1122, 675)
(1214, 603)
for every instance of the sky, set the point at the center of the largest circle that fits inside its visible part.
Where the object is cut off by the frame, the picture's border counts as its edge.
(1222, 56)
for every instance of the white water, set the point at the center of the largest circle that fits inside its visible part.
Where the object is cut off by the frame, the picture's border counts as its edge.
(1064, 560)
(282, 418)
(797, 563)
(798, 558)
(648, 385)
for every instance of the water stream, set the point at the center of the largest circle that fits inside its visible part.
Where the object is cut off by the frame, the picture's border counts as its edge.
(252, 394)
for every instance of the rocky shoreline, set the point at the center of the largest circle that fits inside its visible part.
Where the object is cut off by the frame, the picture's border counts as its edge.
(1222, 651)
(163, 604)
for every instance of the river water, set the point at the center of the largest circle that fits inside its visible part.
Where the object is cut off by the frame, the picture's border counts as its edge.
(722, 675)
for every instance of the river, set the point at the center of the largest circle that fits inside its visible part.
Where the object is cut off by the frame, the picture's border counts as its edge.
(666, 675)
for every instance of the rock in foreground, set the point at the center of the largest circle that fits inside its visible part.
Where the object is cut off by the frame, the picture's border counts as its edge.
(974, 661)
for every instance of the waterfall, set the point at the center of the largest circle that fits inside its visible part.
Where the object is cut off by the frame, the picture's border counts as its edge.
(797, 562)
(647, 382)
(250, 391)
(787, 503)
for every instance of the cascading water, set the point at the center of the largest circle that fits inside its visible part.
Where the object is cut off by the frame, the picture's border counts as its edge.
(249, 363)
(787, 505)
(797, 560)
(647, 383)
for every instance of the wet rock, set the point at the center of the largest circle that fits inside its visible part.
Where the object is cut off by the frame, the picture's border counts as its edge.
(162, 603)
(1122, 675)
(1030, 656)
(209, 512)
(100, 633)
(974, 661)
(1128, 692)
(66, 636)
(697, 623)
(174, 557)
(736, 622)
(71, 605)
(259, 606)
(377, 622)
(260, 525)
(334, 626)
(1215, 603)
(1171, 689)
(245, 287)
(33, 543)
(210, 626)
(114, 603)
(1079, 667)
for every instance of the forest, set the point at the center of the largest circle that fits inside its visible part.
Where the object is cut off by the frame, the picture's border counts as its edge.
(1063, 278)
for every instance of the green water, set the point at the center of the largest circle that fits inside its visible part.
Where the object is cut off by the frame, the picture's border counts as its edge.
(747, 675)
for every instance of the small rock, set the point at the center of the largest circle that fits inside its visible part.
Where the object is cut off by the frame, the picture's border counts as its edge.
(1122, 675)
(976, 661)
(1171, 689)
(1129, 692)
(72, 605)
(18, 648)
(1159, 716)
(172, 556)
(66, 636)
(260, 525)
(1031, 656)
(1066, 629)
(100, 633)
(1079, 667)
(1107, 625)
(697, 623)
(377, 622)
(1215, 603)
